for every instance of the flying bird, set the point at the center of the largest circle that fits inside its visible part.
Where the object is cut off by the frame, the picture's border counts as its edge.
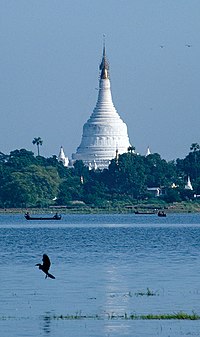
(45, 266)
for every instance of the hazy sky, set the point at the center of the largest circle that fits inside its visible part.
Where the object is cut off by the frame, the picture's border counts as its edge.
(50, 52)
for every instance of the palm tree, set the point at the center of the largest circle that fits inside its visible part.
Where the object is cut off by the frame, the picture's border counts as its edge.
(38, 141)
(195, 147)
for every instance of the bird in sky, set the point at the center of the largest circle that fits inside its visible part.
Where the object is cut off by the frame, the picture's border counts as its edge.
(45, 266)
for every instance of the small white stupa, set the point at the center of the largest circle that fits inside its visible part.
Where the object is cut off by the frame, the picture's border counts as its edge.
(63, 158)
(188, 186)
(148, 152)
(104, 131)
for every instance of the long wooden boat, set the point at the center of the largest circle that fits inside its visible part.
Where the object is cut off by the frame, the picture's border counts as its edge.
(55, 217)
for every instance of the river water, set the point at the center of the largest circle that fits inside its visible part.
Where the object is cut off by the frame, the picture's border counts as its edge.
(105, 268)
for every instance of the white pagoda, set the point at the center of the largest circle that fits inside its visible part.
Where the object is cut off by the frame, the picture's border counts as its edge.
(188, 186)
(104, 132)
(148, 152)
(63, 158)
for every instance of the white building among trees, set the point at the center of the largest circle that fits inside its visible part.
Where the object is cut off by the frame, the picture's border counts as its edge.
(104, 132)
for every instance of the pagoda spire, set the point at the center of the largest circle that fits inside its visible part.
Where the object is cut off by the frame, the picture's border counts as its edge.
(104, 66)
(104, 130)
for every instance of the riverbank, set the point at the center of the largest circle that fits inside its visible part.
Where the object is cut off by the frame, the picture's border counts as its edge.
(182, 207)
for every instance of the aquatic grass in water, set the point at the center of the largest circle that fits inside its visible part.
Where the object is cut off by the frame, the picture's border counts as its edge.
(180, 315)
(113, 316)
(147, 293)
(176, 316)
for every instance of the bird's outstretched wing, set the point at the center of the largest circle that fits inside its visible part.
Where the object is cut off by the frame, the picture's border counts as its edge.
(46, 261)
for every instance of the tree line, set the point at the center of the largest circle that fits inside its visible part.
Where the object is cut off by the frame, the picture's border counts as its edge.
(35, 181)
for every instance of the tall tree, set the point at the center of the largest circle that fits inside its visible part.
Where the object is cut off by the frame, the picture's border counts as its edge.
(195, 147)
(38, 141)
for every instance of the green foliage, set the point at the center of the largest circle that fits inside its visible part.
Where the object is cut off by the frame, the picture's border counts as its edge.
(172, 195)
(190, 166)
(23, 182)
(159, 172)
(94, 193)
(33, 186)
(26, 180)
(132, 174)
(70, 189)
(18, 159)
(127, 176)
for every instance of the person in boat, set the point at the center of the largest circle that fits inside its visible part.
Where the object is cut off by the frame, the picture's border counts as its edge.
(161, 213)
(27, 215)
(56, 216)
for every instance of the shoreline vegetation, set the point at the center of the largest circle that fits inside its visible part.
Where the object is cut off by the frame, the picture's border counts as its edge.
(131, 182)
(80, 208)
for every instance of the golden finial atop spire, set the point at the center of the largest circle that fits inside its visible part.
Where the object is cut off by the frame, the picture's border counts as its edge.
(104, 66)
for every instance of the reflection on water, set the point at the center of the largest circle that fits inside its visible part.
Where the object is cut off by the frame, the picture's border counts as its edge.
(47, 319)
(104, 266)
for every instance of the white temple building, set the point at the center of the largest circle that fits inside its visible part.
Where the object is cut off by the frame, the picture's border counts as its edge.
(188, 186)
(62, 157)
(104, 132)
(148, 152)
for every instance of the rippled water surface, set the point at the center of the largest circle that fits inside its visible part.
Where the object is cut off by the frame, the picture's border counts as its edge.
(105, 266)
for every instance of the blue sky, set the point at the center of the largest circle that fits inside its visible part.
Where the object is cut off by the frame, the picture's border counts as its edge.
(49, 57)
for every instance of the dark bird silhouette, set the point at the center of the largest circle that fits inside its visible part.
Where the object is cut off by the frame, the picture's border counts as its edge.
(45, 266)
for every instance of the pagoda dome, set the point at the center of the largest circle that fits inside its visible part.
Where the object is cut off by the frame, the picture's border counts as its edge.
(104, 132)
